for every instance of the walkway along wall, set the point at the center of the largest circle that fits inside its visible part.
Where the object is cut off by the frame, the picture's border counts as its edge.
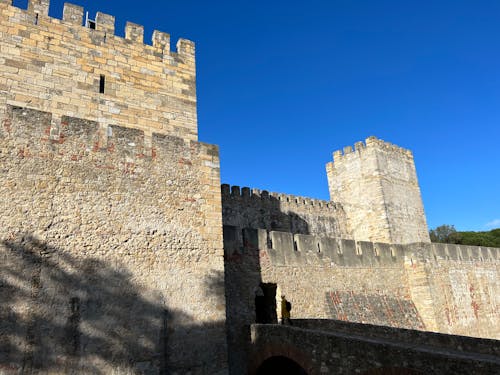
(330, 347)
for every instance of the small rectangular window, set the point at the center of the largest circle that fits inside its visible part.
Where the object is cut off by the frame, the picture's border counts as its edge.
(36, 18)
(91, 24)
(102, 84)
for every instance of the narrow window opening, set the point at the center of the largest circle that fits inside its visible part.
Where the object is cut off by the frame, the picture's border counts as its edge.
(91, 24)
(102, 84)
(36, 18)
(105, 37)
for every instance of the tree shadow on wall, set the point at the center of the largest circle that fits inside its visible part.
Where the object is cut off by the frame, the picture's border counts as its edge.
(64, 313)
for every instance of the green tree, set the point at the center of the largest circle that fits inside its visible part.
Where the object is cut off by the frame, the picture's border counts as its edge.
(448, 234)
(445, 234)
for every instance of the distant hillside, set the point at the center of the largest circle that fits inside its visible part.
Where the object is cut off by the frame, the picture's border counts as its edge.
(448, 234)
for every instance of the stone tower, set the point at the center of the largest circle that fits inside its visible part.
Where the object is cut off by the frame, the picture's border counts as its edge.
(377, 185)
(111, 252)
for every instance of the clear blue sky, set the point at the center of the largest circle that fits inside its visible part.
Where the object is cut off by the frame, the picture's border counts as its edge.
(282, 84)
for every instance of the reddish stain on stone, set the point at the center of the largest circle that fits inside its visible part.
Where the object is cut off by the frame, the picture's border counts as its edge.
(129, 168)
(475, 307)
(23, 153)
(7, 124)
(447, 313)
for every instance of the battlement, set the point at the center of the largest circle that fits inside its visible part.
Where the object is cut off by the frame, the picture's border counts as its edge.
(288, 249)
(86, 71)
(371, 143)
(245, 193)
(73, 15)
(27, 133)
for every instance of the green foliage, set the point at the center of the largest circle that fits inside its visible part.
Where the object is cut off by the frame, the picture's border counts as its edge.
(448, 234)
(445, 234)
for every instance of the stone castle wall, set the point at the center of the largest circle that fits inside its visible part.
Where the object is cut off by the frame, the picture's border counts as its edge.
(111, 258)
(452, 289)
(253, 208)
(461, 284)
(56, 66)
(376, 184)
(113, 220)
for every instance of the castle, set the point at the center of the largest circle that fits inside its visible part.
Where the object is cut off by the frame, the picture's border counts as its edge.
(120, 253)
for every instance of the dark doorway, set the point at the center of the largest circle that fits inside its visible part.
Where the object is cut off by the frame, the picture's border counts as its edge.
(265, 305)
(280, 365)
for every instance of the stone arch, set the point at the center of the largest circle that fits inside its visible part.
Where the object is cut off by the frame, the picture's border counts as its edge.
(285, 352)
(280, 365)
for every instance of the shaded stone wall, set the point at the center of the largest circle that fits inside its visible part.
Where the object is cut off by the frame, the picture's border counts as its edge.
(111, 257)
(254, 208)
(56, 66)
(348, 348)
(376, 184)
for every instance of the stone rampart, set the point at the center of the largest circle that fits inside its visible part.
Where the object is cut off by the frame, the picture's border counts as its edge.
(433, 287)
(62, 67)
(260, 209)
(460, 285)
(111, 252)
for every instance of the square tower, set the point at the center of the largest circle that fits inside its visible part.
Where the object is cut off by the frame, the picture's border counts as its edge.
(377, 185)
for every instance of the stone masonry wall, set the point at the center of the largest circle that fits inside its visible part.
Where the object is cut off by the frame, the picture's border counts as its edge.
(377, 185)
(318, 284)
(414, 286)
(462, 286)
(111, 256)
(56, 66)
(351, 348)
(253, 208)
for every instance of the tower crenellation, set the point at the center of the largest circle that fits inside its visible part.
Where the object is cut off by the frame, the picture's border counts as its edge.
(70, 69)
(369, 144)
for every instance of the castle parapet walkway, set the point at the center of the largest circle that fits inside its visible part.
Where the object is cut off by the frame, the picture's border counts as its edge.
(333, 347)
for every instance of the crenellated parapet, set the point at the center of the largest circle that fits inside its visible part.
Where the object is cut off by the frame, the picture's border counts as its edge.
(105, 23)
(289, 249)
(32, 134)
(69, 68)
(260, 209)
(246, 193)
(369, 144)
